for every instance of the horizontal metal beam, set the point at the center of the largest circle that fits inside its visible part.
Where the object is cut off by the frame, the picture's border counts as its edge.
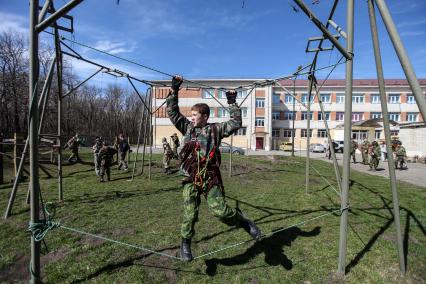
(55, 16)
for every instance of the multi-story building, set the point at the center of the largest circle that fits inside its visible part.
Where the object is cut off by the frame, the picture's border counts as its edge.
(275, 112)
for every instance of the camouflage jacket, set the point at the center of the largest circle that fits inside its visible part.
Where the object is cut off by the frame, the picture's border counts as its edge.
(208, 136)
(107, 153)
(354, 146)
(167, 150)
(375, 151)
(400, 151)
(365, 145)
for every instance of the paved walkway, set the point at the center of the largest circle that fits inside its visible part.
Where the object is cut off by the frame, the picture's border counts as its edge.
(416, 173)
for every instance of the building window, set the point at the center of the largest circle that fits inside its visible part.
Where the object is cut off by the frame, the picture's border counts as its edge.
(411, 99)
(340, 99)
(304, 98)
(288, 115)
(260, 102)
(393, 98)
(322, 133)
(375, 99)
(288, 99)
(376, 115)
(276, 133)
(259, 121)
(357, 99)
(326, 98)
(327, 116)
(276, 99)
(395, 116)
(222, 112)
(377, 134)
(208, 93)
(211, 112)
(304, 133)
(305, 115)
(275, 115)
(222, 94)
(412, 116)
(241, 131)
(340, 116)
(241, 94)
(288, 133)
(357, 116)
(244, 112)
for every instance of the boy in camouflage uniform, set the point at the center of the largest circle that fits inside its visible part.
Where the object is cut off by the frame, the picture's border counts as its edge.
(123, 147)
(96, 148)
(200, 161)
(167, 156)
(400, 154)
(106, 155)
(353, 150)
(375, 156)
(175, 145)
(73, 144)
(364, 151)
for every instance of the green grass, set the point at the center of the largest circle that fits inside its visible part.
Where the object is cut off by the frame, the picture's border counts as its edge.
(269, 190)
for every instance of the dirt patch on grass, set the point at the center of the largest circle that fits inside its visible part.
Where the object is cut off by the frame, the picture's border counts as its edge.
(18, 272)
(122, 232)
(53, 256)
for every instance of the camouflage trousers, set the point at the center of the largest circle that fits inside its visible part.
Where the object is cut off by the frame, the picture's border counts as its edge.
(399, 161)
(374, 162)
(166, 160)
(74, 156)
(105, 169)
(364, 157)
(122, 161)
(215, 202)
(353, 156)
(97, 163)
(175, 153)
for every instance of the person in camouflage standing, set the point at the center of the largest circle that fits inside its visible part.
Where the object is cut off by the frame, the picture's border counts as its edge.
(73, 145)
(200, 162)
(123, 147)
(106, 155)
(167, 156)
(374, 156)
(400, 154)
(175, 145)
(364, 151)
(354, 147)
(96, 148)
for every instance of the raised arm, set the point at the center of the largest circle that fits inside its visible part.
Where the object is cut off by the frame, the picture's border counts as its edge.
(178, 119)
(235, 122)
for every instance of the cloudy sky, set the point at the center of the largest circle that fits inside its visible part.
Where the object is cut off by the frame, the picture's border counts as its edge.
(224, 39)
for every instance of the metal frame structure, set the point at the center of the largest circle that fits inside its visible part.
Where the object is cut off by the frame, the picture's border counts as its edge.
(38, 23)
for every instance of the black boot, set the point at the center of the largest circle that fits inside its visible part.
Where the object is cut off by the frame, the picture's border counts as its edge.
(249, 226)
(185, 250)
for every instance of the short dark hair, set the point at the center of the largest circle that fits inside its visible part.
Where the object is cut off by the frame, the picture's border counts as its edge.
(201, 108)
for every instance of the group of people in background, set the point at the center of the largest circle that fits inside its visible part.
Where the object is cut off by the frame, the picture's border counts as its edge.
(103, 154)
(372, 153)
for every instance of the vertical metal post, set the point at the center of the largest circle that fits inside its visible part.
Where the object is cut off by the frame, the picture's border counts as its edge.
(230, 156)
(33, 138)
(137, 147)
(150, 135)
(293, 116)
(59, 75)
(347, 141)
(308, 134)
(403, 57)
(386, 127)
(15, 153)
(1, 159)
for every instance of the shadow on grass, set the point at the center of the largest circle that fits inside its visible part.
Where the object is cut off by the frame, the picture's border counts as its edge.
(388, 222)
(271, 247)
